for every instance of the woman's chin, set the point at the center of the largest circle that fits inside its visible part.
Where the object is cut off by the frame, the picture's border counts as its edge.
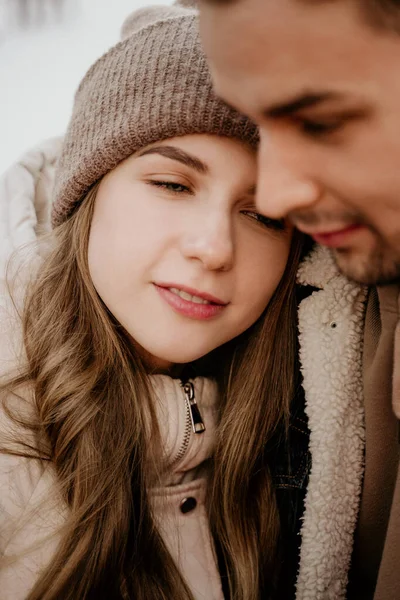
(171, 360)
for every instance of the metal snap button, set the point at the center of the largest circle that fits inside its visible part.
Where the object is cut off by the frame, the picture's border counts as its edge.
(188, 504)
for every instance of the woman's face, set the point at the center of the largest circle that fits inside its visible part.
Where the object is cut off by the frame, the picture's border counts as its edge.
(177, 251)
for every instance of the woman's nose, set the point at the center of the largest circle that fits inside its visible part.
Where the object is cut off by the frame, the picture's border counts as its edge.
(211, 242)
(282, 189)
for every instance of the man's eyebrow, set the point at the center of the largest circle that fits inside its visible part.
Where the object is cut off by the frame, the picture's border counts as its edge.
(179, 155)
(299, 103)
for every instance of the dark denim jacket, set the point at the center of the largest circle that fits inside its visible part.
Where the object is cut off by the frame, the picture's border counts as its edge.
(290, 465)
(290, 461)
(289, 458)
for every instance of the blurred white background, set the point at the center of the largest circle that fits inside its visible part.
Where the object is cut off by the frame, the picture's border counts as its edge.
(41, 64)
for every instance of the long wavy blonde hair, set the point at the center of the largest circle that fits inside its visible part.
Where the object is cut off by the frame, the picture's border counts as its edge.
(92, 403)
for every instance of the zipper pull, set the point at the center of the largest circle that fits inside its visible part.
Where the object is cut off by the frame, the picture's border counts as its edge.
(195, 416)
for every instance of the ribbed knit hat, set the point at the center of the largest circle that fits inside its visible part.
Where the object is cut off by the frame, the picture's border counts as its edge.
(153, 85)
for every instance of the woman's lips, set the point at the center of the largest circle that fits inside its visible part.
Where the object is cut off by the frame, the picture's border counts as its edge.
(188, 308)
(338, 238)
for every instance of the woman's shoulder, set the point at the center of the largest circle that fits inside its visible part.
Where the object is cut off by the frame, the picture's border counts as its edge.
(25, 199)
(25, 192)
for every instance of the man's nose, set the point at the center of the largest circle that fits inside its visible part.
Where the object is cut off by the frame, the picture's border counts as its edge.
(282, 188)
(211, 242)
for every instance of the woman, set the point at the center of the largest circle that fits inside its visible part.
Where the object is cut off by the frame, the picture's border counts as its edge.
(161, 313)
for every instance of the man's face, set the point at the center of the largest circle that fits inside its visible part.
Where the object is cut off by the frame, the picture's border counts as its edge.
(324, 87)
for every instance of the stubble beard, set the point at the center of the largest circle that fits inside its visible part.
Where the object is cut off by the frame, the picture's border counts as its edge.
(379, 266)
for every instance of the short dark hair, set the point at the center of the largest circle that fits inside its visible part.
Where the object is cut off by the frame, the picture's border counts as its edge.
(384, 14)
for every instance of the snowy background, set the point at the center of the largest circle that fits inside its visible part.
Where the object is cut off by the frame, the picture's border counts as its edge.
(41, 64)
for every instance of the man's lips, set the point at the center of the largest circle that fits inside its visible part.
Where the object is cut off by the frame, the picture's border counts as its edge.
(334, 238)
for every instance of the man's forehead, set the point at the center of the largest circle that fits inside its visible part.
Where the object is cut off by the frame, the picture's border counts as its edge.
(264, 69)
(275, 30)
(248, 36)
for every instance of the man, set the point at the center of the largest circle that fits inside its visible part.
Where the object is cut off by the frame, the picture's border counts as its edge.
(321, 78)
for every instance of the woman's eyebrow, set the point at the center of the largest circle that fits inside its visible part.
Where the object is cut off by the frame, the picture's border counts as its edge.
(179, 155)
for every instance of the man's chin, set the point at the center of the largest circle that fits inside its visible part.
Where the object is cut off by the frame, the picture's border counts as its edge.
(373, 268)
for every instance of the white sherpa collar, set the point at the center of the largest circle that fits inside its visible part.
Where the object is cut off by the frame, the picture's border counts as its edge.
(331, 340)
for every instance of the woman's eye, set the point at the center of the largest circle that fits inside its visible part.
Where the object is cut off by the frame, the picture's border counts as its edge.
(170, 186)
(320, 128)
(277, 224)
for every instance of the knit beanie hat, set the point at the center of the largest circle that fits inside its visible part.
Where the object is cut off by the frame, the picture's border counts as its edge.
(153, 85)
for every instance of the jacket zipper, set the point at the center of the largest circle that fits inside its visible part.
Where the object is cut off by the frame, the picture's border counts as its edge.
(193, 420)
(194, 412)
